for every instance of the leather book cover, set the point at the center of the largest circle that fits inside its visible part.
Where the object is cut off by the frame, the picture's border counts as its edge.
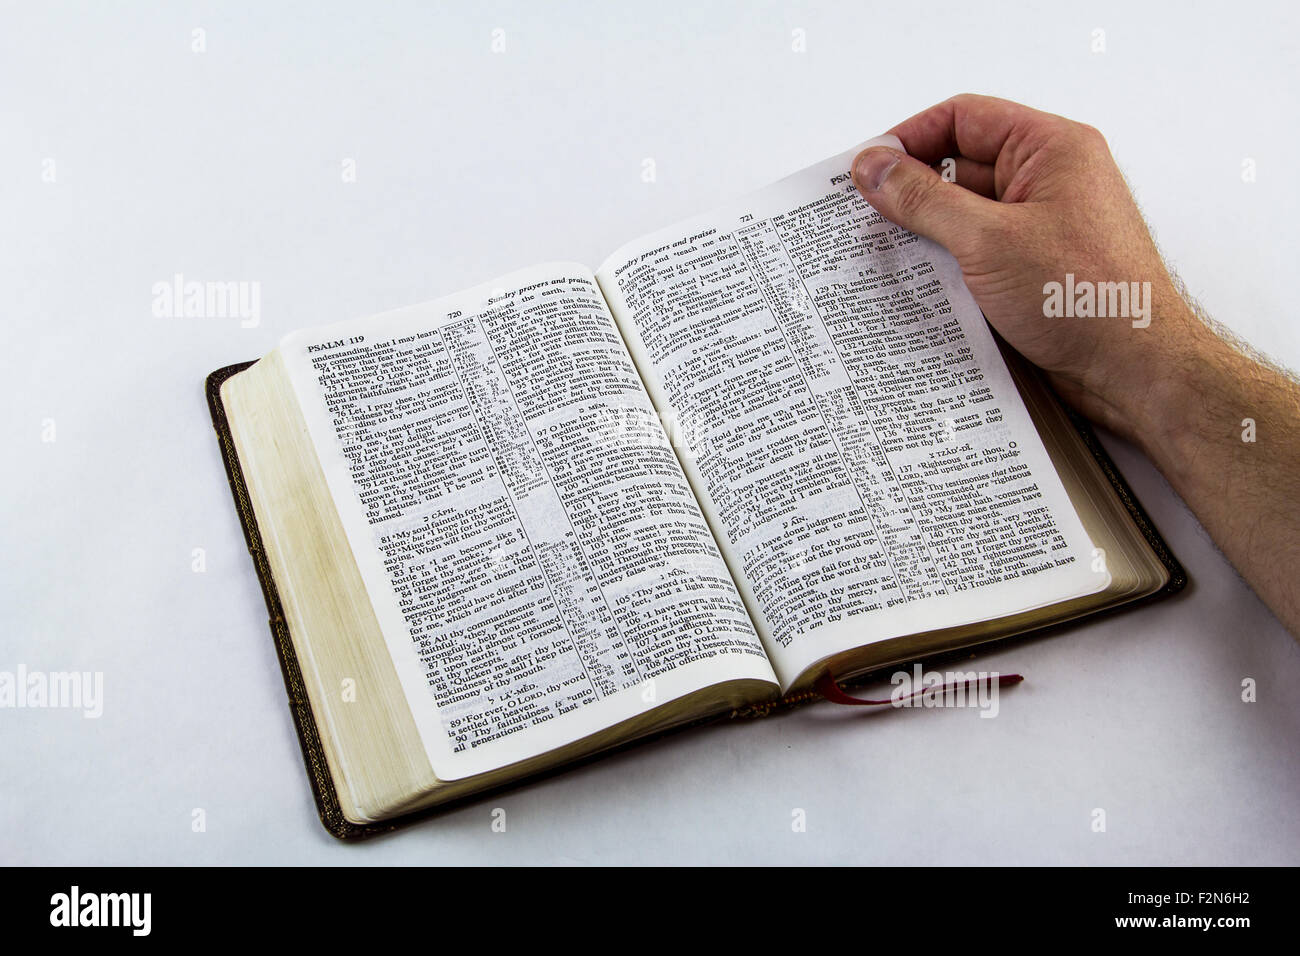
(313, 752)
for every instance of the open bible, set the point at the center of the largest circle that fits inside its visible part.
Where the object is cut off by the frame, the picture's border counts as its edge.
(560, 511)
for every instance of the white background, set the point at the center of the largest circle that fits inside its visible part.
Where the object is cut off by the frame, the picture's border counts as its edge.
(226, 165)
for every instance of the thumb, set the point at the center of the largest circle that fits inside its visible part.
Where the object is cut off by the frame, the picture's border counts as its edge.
(906, 191)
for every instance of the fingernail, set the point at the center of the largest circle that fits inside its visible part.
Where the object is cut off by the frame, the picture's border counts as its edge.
(872, 167)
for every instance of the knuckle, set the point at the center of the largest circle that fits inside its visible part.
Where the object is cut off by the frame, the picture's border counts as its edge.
(1091, 136)
(914, 193)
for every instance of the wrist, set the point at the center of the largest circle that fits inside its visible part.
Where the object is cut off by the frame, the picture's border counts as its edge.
(1185, 397)
(1159, 382)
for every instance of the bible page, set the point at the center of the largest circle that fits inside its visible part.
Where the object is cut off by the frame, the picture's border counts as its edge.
(535, 556)
(840, 406)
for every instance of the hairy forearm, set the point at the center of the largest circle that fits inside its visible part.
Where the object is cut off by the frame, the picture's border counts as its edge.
(1221, 427)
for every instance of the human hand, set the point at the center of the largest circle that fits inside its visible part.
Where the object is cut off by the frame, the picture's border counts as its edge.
(1037, 196)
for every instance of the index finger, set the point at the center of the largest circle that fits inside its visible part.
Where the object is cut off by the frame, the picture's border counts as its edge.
(977, 127)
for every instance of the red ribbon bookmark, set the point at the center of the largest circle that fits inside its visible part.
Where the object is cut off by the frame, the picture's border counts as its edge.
(827, 687)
